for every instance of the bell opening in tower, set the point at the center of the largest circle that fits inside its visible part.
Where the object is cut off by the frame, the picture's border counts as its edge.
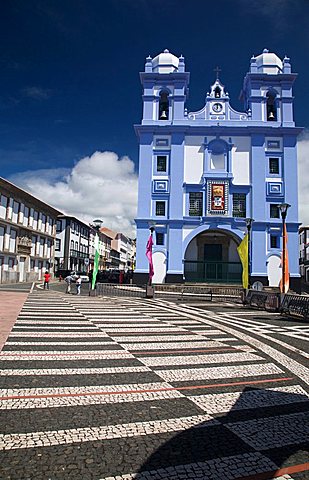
(163, 106)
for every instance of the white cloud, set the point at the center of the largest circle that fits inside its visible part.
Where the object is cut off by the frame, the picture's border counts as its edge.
(303, 177)
(101, 186)
(37, 93)
(105, 186)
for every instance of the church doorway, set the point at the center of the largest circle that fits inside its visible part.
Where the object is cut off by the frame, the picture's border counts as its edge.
(212, 257)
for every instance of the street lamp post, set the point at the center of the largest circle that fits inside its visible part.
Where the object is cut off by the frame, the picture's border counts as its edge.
(97, 224)
(283, 207)
(249, 222)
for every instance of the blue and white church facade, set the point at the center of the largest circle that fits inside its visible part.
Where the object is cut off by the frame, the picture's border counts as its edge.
(202, 174)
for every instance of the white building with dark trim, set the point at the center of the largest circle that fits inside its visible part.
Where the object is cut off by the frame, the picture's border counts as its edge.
(27, 235)
(72, 244)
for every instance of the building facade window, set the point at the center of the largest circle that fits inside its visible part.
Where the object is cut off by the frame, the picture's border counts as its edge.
(159, 238)
(162, 142)
(2, 232)
(273, 144)
(12, 245)
(42, 242)
(195, 204)
(161, 163)
(239, 205)
(57, 244)
(26, 216)
(160, 209)
(15, 211)
(43, 223)
(274, 241)
(35, 220)
(274, 165)
(3, 206)
(274, 211)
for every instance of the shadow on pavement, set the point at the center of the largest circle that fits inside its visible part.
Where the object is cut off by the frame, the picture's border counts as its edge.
(262, 433)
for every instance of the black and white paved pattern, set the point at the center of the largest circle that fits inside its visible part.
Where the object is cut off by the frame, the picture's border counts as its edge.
(119, 389)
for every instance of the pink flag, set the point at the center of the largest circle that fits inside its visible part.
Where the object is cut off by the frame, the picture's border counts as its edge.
(149, 256)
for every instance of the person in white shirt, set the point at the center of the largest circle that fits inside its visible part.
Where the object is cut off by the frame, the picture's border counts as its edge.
(78, 285)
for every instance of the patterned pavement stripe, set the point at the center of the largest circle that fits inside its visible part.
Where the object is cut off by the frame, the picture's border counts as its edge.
(147, 334)
(56, 355)
(48, 343)
(61, 392)
(78, 435)
(264, 433)
(212, 319)
(232, 371)
(58, 334)
(200, 359)
(117, 328)
(274, 396)
(226, 468)
(165, 346)
(52, 322)
(141, 353)
(154, 338)
(58, 328)
(63, 355)
(48, 315)
(74, 371)
(81, 391)
(88, 400)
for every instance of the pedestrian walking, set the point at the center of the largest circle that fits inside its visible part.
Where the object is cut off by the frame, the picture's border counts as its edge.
(68, 281)
(46, 280)
(78, 285)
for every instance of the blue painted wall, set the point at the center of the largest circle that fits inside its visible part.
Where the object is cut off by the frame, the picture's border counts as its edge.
(268, 75)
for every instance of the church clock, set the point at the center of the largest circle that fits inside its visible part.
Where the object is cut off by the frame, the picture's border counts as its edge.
(217, 107)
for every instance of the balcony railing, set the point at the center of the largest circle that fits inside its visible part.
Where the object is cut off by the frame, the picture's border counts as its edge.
(212, 272)
(78, 254)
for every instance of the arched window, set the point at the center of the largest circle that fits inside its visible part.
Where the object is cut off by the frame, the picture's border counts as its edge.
(163, 106)
(217, 155)
(217, 92)
(271, 106)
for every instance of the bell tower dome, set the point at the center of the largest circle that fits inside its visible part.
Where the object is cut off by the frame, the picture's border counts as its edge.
(267, 89)
(165, 88)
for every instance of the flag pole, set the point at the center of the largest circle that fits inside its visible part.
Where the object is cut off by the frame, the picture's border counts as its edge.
(283, 207)
(249, 222)
(149, 255)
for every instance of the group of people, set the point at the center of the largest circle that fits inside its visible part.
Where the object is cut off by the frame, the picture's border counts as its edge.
(78, 281)
(69, 279)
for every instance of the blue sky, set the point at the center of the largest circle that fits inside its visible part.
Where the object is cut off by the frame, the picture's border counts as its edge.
(69, 69)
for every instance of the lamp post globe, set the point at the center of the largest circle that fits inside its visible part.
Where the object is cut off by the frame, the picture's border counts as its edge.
(97, 223)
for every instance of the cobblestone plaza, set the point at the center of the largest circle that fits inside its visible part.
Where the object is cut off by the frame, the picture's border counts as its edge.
(115, 389)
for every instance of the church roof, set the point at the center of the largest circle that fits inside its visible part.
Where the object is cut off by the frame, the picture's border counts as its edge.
(165, 62)
(268, 62)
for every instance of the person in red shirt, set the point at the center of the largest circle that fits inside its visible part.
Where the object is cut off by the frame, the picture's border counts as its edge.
(46, 280)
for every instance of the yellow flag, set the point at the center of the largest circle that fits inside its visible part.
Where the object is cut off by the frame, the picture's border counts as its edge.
(243, 251)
